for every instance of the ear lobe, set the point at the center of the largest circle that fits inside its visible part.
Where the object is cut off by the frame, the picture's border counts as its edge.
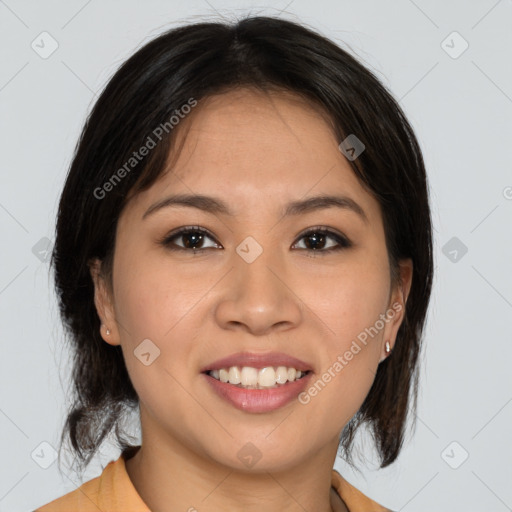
(104, 304)
(396, 311)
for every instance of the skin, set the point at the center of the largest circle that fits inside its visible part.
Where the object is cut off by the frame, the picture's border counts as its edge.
(256, 152)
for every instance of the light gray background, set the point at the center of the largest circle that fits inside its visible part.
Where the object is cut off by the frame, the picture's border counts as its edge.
(461, 109)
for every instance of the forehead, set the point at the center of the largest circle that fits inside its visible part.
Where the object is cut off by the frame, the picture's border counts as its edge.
(255, 131)
(256, 149)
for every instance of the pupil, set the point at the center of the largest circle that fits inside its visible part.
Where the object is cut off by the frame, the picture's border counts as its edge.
(317, 238)
(192, 239)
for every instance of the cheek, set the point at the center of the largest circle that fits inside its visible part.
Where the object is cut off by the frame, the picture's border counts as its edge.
(337, 393)
(152, 305)
(350, 301)
(154, 302)
(152, 298)
(351, 306)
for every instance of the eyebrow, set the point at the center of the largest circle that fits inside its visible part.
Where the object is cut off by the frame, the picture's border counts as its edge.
(217, 206)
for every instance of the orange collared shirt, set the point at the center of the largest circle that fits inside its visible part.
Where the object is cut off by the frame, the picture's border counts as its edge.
(113, 491)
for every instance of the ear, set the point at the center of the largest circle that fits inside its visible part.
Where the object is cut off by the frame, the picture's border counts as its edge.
(396, 307)
(104, 304)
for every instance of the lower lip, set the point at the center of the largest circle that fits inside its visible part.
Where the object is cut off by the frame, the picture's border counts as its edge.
(259, 400)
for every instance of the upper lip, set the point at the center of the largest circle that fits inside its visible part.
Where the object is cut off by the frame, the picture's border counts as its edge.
(258, 361)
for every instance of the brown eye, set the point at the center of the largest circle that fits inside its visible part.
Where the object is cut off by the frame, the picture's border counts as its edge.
(322, 240)
(190, 238)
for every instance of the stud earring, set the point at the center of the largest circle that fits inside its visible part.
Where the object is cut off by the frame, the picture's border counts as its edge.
(107, 332)
(387, 348)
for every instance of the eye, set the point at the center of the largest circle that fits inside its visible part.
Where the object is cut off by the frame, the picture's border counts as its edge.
(323, 240)
(191, 237)
(315, 240)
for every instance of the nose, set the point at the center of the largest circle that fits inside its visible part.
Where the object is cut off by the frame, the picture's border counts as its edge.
(257, 299)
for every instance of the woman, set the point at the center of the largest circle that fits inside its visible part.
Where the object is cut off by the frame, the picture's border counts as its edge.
(244, 256)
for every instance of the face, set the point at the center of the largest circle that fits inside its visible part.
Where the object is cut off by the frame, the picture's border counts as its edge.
(256, 279)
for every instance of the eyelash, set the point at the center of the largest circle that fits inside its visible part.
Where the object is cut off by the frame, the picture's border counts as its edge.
(342, 241)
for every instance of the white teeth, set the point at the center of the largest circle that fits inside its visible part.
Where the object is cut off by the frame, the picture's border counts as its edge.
(267, 377)
(282, 375)
(254, 378)
(249, 376)
(234, 375)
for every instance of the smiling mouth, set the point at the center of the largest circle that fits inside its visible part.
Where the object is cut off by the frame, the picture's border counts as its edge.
(248, 377)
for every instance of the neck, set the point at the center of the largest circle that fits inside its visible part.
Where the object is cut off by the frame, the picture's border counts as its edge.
(173, 478)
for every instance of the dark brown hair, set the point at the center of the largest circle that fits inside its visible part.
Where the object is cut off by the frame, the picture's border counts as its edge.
(197, 61)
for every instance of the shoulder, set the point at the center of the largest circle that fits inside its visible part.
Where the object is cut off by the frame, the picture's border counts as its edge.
(354, 499)
(83, 499)
(112, 491)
